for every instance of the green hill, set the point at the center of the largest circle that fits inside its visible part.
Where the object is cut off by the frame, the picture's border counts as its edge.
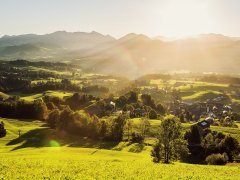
(37, 154)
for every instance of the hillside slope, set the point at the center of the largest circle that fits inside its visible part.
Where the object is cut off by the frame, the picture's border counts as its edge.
(29, 161)
(132, 55)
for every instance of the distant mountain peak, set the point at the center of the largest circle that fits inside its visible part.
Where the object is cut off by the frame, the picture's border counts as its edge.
(134, 36)
(95, 32)
(60, 32)
(213, 35)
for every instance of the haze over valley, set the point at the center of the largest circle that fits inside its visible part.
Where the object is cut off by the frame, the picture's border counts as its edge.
(132, 54)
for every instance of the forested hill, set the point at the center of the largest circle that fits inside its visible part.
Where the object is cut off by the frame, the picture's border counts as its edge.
(39, 64)
(133, 55)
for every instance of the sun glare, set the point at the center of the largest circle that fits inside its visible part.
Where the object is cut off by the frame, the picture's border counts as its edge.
(185, 18)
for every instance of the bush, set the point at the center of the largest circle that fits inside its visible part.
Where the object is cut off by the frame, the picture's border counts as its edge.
(217, 159)
(135, 148)
(156, 153)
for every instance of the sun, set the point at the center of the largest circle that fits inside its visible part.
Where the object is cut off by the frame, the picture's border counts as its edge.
(185, 18)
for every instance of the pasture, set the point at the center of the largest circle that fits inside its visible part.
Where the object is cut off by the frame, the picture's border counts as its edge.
(192, 91)
(32, 97)
(39, 154)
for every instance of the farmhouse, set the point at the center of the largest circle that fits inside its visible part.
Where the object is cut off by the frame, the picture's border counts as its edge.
(202, 126)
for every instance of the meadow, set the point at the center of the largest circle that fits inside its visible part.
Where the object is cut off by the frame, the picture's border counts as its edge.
(193, 90)
(32, 97)
(31, 150)
(39, 154)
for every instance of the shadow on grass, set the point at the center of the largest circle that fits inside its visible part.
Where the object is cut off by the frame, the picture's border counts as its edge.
(34, 138)
(42, 137)
(89, 143)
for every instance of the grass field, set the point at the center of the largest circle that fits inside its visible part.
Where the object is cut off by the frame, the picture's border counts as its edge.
(234, 132)
(31, 68)
(188, 85)
(32, 97)
(202, 95)
(23, 158)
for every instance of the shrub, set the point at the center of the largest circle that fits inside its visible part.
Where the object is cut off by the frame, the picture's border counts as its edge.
(217, 159)
(135, 148)
(156, 153)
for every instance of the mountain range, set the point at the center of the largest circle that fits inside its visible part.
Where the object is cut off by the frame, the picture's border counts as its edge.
(132, 55)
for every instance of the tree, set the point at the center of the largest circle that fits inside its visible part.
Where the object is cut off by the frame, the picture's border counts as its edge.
(217, 159)
(103, 129)
(230, 146)
(117, 127)
(160, 109)
(65, 117)
(128, 107)
(156, 153)
(133, 98)
(121, 101)
(144, 126)
(193, 136)
(147, 100)
(181, 116)
(170, 139)
(136, 138)
(3, 131)
(128, 127)
(152, 114)
(80, 123)
(53, 118)
(40, 109)
(66, 83)
(188, 116)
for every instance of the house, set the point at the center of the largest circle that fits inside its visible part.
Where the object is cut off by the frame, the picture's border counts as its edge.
(202, 126)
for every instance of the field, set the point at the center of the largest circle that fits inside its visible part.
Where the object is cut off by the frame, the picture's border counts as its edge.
(198, 91)
(32, 151)
(234, 132)
(37, 69)
(32, 97)
(38, 154)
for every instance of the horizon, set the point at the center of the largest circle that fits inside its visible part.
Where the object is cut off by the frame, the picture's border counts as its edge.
(117, 38)
(152, 18)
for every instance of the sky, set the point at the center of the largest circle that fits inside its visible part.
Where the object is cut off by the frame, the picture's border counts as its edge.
(170, 18)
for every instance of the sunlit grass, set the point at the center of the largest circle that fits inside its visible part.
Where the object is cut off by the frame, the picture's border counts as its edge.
(32, 68)
(32, 97)
(202, 95)
(84, 163)
(127, 161)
